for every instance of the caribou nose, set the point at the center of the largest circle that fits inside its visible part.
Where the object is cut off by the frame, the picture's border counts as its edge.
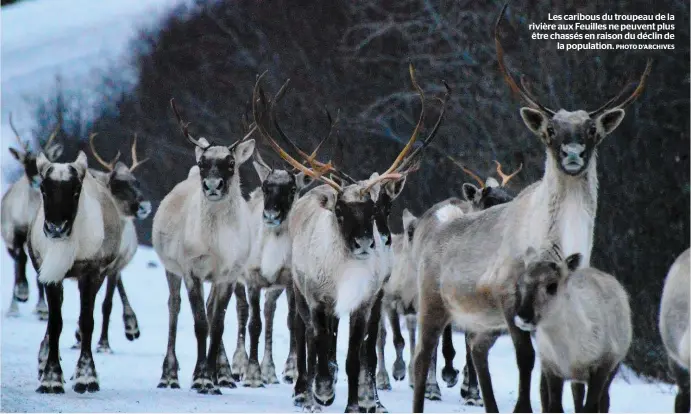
(572, 150)
(144, 209)
(271, 214)
(55, 230)
(364, 242)
(213, 184)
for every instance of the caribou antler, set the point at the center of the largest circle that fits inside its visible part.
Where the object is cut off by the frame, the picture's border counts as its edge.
(184, 125)
(52, 136)
(475, 176)
(398, 168)
(135, 162)
(110, 166)
(512, 83)
(257, 98)
(634, 95)
(24, 145)
(505, 178)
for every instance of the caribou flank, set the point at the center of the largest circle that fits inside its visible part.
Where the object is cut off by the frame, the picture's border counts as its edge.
(19, 206)
(457, 262)
(674, 326)
(76, 233)
(201, 232)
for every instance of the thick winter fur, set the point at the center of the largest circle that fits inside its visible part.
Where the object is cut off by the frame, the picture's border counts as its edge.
(582, 324)
(458, 261)
(674, 326)
(82, 244)
(202, 232)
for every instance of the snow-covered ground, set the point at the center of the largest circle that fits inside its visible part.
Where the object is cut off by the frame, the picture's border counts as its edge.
(77, 39)
(129, 376)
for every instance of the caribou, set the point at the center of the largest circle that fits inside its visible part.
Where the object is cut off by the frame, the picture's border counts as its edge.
(581, 320)
(129, 199)
(401, 290)
(19, 206)
(76, 233)
(202, 232)
(674, 326)
(457, 262)
(344, 272)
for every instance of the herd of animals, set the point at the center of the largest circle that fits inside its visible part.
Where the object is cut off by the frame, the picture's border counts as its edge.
(487, 264)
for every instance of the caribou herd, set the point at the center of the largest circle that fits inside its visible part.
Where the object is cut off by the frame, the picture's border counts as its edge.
(488, 263)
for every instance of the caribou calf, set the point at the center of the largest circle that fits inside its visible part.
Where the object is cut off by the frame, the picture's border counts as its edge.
(674, 326)
(581, 320)
(76, 233)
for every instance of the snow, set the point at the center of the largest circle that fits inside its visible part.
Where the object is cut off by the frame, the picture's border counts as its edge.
(40, 41)
(129, 376)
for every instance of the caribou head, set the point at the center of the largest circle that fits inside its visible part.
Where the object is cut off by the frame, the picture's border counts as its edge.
(538, 280)
(61, 187)
(355, 205)
(218, 164)
(571, 137)
(28, 158)
(122, 183)
(491, 192)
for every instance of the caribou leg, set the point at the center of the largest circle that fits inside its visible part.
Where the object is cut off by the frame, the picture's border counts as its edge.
(222, 292)
(201, 380)
(432, 320)
(480, 345)
(240, 358)
(268, 368)
(578, 391)
(555, 390)
(103, 344)
(383, 382)
(223, 375)
(368, 398)
(128, 316)
(306, 355)
(525, 359)
(398, 343)
(253, 375)
(358, 326)
(20, 293)
(597, 384)
(470, 391)
(85, 377)
(682, 400)
(449, 374)
(411, 325)
(41, 309)
(290, 367)
(51, 378)
(169, 375)
(333, 362)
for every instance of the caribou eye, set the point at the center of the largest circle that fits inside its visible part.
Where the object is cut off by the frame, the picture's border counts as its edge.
(592, 130)
(550, 131)
(552, 288)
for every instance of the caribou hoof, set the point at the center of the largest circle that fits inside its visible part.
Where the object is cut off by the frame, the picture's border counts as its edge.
(239, 366)
(398, 369)
(290, 371)
(471, 396)
(450, 376)
(225, 382)
(432, 392)
(352, 408)
(104, 348)
(82, 387)
(253, 376)
(173, 383)
(21, 291)
(131, 327)
(269, 373)
(383, 382)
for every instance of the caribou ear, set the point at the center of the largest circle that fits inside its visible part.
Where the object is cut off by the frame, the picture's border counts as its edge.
(610, 120)
(573, 261)
(244, 150)
(533, 119)
(81, 164)
(42, 164)
(198, 151)
(408, 218)
(193, 171)
(262, 170)
(328, 200)
(54, 152)
(302, 180)
(394, 188)
(16, 154)
(470, 192)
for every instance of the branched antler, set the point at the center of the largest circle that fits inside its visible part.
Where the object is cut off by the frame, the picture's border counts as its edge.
(184, 127)
(110, 166)
(23, 144)
(135, 162)
(505, 178)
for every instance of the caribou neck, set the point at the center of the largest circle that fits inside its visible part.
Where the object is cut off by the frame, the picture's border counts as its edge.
(572, 205)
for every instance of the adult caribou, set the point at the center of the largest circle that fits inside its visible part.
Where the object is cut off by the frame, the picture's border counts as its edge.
(344, 272)
(461, 265)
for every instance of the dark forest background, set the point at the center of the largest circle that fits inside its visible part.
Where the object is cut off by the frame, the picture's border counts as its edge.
(353, 57)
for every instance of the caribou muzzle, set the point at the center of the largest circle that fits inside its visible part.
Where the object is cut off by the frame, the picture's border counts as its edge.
(272, 218)
(362, 247)
(57, 231)
(572, 157)
(143, 210)
(213, 188)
